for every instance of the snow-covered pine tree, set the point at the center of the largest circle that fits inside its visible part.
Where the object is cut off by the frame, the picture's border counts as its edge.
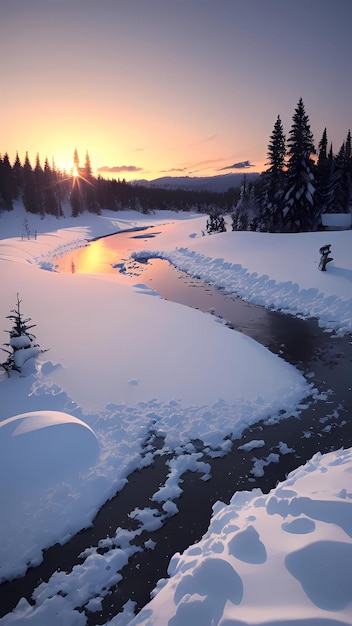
(272, 182)
(22, 345)
(215, 222)
(299, 212)
(240, 219)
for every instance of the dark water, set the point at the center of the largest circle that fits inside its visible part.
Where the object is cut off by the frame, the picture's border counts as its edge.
(323, 426)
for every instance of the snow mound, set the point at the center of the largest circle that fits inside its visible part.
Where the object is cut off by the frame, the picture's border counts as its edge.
(281, 558)
(39, 443)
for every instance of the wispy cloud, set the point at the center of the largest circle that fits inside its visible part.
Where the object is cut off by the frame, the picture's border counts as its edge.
(200, 166)
(120, 168)
(174, 169)
(237, 166)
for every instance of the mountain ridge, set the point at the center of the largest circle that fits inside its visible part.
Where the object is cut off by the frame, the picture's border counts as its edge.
(218, 183)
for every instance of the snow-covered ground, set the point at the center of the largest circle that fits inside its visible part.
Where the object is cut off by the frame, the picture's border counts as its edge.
(123, 362)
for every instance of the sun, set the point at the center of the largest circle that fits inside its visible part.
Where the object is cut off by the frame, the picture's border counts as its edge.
(75, 172)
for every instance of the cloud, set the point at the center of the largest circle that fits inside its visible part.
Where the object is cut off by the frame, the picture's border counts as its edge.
(120, 168)
(199, 166)
(174, 169)
(237, 166)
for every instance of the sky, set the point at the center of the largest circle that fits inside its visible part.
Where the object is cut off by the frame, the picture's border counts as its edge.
(158, 87)
(281, 556)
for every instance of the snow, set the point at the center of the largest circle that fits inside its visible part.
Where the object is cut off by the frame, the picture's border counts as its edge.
(122, 363)
(280, 558)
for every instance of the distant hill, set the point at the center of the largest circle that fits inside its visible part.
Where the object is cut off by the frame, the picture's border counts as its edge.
(219, 184)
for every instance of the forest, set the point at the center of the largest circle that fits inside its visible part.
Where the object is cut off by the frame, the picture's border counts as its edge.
(44, 191)
(299, 184)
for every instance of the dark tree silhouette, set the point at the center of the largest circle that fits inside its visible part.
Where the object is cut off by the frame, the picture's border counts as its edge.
(272, 182)
(7, 184)
(299, 213)
(340, 182)
(324, 170)
(29, 188)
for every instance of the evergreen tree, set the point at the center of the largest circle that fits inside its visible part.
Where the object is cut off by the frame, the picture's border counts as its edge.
(87, 167)
(90, 193)
(348, 168)
(39, 185)
(22, 345)
(50, 200)
(62, 186)
(18, 175)
(272, 182)
(323, 173)
(339, 188)
(29, 188)
(76, 160)
(240, 219)
(6, 184)
(76, 198)
(215, 222)
(299, 212)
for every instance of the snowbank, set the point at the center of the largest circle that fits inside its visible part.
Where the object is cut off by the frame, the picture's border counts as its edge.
(124, 363)
(283, 558)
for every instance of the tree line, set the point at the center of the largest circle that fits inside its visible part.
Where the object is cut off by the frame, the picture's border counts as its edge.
(44, 190)
(297, 188)
(299, 185)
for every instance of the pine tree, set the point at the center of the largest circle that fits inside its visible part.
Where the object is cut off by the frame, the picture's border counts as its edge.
(39, 185)
(272, 182)
(29, 188)
(339, 187)
(348, 170)
(22, 345)
(50, 201)
(90, 192)
(215, 222)
(76, 160)
(6, 184)
(87, 167)
(240, 219)
(299, 213)
(76, 199)
(76, 192)
(18, 175)
(324, 168)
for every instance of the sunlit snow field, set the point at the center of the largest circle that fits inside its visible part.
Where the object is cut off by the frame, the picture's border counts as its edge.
(123, 362)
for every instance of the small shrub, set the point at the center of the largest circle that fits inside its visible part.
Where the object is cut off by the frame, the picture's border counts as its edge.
(22, 345)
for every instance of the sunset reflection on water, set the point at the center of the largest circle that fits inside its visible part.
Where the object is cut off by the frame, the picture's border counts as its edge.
(95, 258)
(102, 255)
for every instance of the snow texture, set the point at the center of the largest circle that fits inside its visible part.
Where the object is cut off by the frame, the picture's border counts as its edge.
(120, 368)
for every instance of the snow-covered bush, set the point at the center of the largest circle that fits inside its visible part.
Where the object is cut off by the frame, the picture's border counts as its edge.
(22, 345)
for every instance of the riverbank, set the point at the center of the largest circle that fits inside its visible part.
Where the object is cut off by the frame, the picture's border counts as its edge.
(131, 412)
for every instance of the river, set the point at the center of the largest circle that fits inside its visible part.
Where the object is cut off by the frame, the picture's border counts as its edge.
(324, 425)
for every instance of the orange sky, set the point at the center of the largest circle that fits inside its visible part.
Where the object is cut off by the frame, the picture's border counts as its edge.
(169, 88)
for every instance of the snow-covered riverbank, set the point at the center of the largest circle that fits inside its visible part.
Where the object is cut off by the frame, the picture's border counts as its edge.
(125, 362)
